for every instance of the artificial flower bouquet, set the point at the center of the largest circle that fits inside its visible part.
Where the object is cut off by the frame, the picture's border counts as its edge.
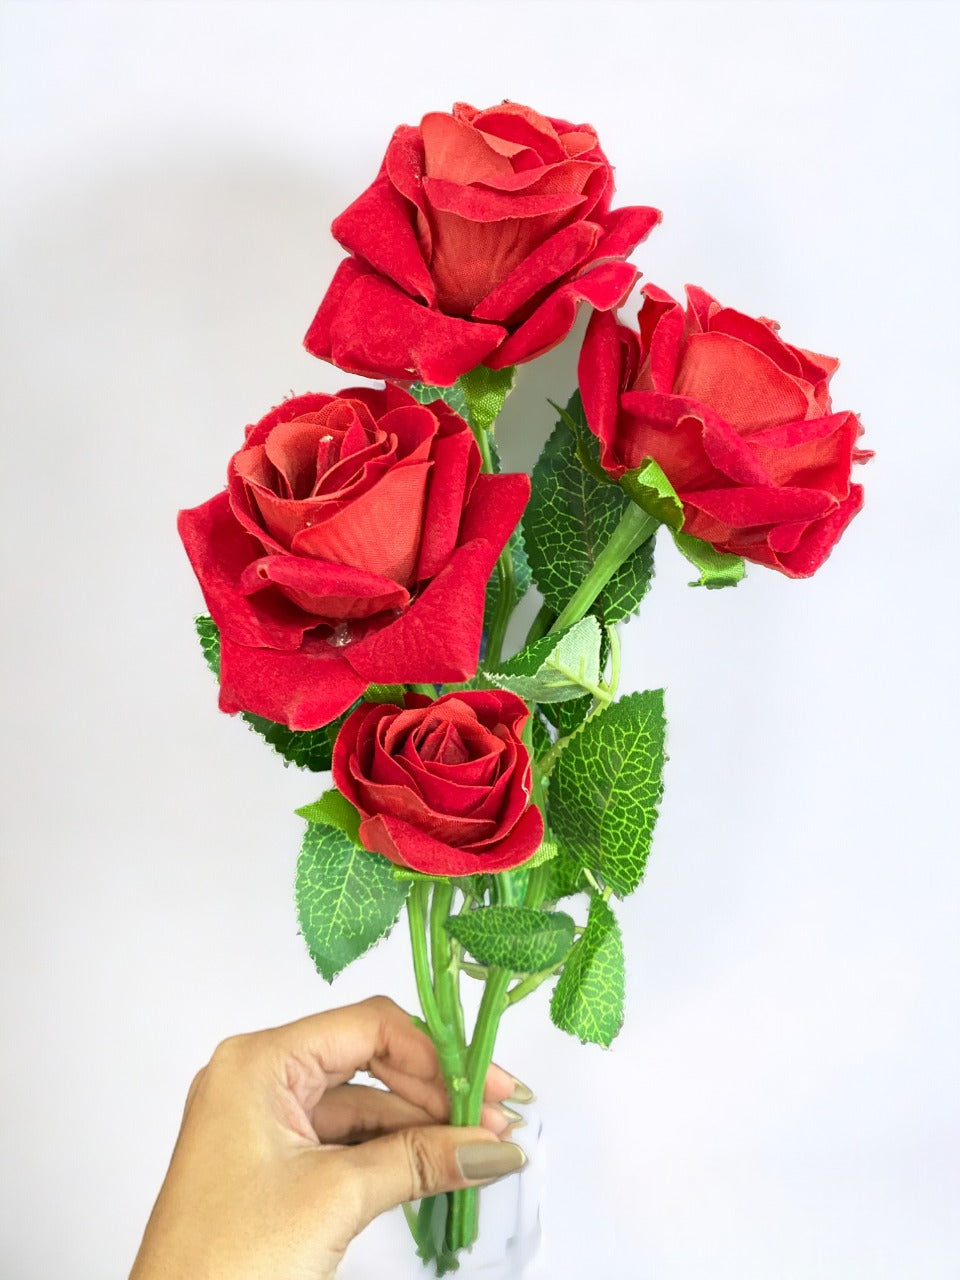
(365, 559)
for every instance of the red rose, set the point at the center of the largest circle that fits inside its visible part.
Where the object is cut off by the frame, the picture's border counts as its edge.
(739, 421)
(352, 546)
(479, 237)
(443, 787)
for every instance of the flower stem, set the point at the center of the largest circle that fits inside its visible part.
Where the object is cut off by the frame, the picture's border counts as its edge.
(540, 625)
(634, 529)
(507, 596)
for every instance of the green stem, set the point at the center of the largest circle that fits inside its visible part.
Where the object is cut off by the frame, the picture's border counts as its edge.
(507, 596)
(634, 529)
(540, 625)
(463, 1227)
(449, 1052)
(445, 984)
(531, 982)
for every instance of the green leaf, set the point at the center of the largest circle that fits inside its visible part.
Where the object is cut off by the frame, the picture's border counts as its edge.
(717, 568)
(565, 877)
(540, 735)
(309, 749)
(423, 393)
(588, 999)
(649, 487)
(485, 391)
(570, 518)
(516, 938)
(347, 898)
(555, 668)
(334, 810)
(566, 717)
(606, 786)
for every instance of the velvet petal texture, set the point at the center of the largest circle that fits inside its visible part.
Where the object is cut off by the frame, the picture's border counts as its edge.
(443, 786)
(476, 243)
(739, 421)
(353, 545)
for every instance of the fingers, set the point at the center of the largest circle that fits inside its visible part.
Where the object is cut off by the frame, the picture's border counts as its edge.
(353, 1113)
(356, 1112)
(321, 1052)
(424, 1161)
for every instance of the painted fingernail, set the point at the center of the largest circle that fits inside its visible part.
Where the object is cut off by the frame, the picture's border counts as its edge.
(513, 1118)
(479, 1161)
(521, 1093)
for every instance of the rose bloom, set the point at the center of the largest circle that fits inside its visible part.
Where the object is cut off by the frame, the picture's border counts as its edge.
(443, 786)
(739, 421)
(352, 546)
(481, 234)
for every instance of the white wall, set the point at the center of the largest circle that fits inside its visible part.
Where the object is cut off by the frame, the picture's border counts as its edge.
(783, 1101)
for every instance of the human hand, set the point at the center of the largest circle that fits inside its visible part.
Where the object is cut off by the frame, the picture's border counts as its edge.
(263, 1183)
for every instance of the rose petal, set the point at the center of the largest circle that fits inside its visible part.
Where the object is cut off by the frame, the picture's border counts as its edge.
(305, 689)
(438, 637)
(379, 228)
(406, 846)
(558, 254)
(367, 326)
(330, 592)
(624, 229)
(738, 382)
(603, 287)
(220, 551)
(748, 505)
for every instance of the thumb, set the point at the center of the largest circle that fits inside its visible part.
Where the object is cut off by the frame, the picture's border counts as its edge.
(425, 1161)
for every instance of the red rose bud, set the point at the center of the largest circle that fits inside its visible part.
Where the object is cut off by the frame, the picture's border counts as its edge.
(739, 421)
(352, 546)
(481, 234)
(443, 787)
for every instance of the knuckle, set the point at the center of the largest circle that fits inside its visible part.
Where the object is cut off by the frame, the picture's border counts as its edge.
(426, 1171)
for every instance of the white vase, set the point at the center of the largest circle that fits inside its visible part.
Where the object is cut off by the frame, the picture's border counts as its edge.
(510, 1228)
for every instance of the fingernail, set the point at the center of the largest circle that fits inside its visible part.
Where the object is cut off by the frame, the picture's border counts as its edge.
(514, 1118)
(521, 1093)
(479, 1161)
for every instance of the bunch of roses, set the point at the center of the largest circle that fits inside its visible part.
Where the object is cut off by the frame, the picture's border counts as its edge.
(356, 536)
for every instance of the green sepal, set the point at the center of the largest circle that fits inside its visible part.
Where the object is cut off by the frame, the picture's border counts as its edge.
(485, 391)
(347, 898)
(570, 518)
(384, 693)
(555, 668)
(588, 999)
(648, 486)
(517, 938)
(650, 489)
(424, 393)
(547, 851)
(606, 787)
(717, 568)
(308, 749)
(335, 810)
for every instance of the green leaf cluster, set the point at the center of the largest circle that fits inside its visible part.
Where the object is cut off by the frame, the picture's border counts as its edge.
(571, 517)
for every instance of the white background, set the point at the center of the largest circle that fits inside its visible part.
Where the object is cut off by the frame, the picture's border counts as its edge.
(783, 1101)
